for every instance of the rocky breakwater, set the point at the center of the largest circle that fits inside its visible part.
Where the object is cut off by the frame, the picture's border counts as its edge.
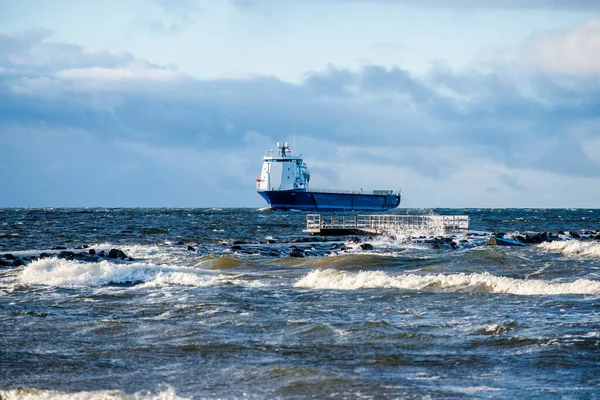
(81, 253)
(532, 238)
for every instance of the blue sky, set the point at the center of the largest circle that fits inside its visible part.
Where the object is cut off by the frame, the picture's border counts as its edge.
(173, 103)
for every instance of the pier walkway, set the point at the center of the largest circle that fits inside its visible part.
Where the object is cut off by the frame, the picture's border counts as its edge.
(317, 224)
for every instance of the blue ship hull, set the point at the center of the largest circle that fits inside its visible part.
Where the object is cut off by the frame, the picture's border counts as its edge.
(324, 201)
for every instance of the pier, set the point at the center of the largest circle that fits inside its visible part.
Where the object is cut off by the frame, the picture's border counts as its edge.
(410, 225)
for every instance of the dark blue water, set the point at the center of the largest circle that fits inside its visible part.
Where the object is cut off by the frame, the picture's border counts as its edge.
(208, 303)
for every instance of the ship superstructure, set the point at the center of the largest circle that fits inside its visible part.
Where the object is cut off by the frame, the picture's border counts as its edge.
(284, 184)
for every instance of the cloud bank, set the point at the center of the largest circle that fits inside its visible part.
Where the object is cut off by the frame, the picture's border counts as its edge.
(86, 127)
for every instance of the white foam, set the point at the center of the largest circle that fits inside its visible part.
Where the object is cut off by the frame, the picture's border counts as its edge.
(573, 248)
(340, 280)
(58, 272)
(33, 394)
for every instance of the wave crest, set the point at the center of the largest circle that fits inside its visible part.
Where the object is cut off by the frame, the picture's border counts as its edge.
(573, 248)
(33, 394)
(340, 280)
(59, 272)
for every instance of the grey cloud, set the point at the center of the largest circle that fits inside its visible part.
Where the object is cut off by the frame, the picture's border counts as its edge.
(31, 49)
(516, 120)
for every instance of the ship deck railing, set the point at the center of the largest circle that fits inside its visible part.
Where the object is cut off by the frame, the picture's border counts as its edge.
(386, 224)
(340, 191)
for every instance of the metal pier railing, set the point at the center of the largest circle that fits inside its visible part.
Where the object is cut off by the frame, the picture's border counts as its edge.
(377, 224)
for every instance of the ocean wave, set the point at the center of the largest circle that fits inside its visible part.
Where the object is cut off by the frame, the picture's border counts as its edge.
(60, 272)
(340, 280)
(573, 248)
(33, 394)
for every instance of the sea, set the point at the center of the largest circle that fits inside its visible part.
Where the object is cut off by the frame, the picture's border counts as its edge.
(243, 303)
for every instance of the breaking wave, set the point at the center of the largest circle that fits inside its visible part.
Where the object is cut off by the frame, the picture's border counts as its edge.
(340, 280)
(34, 394)
(59, 272)
(573, 248)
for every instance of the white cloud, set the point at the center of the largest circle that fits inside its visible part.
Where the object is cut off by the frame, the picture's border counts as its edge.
(100, 74)
(572, 51)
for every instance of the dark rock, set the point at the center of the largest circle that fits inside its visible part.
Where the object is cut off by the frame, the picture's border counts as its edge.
(17, 263)
(45, 255)
(353, 239)
(67, 255)
(191, 248)
(59, 248)
(9, 257)
(236, 248)
(82, 246)
(575, 235)
(92, 251)
(366, 246)
(4, 263)
(180, 243)
(238, 242)
(297, 253)
(116, 253)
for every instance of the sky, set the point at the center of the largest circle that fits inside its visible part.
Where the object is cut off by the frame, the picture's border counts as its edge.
(158, 103)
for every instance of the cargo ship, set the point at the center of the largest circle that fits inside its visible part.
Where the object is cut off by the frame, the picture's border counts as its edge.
(284, 184)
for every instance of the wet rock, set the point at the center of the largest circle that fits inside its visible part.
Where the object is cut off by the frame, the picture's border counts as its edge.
(236, 248)
(575, 235)
(92, 251)
(180, 243)
(297, 253)
(17, 263)
(59, 248)
(45, 255)
(9, 257)
(5, 263)
(235, 242)
(67, 255)
(366, 246)
(82, 246)
(116, 253)
(191, 248)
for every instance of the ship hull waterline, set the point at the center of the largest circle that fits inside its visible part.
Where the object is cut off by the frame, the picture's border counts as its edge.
(323, 201)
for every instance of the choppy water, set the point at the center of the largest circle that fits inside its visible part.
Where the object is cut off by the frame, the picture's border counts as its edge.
(237, 317)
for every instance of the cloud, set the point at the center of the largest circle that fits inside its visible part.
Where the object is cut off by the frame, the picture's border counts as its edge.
(572, 51)
(578, 5)
(157, 137)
